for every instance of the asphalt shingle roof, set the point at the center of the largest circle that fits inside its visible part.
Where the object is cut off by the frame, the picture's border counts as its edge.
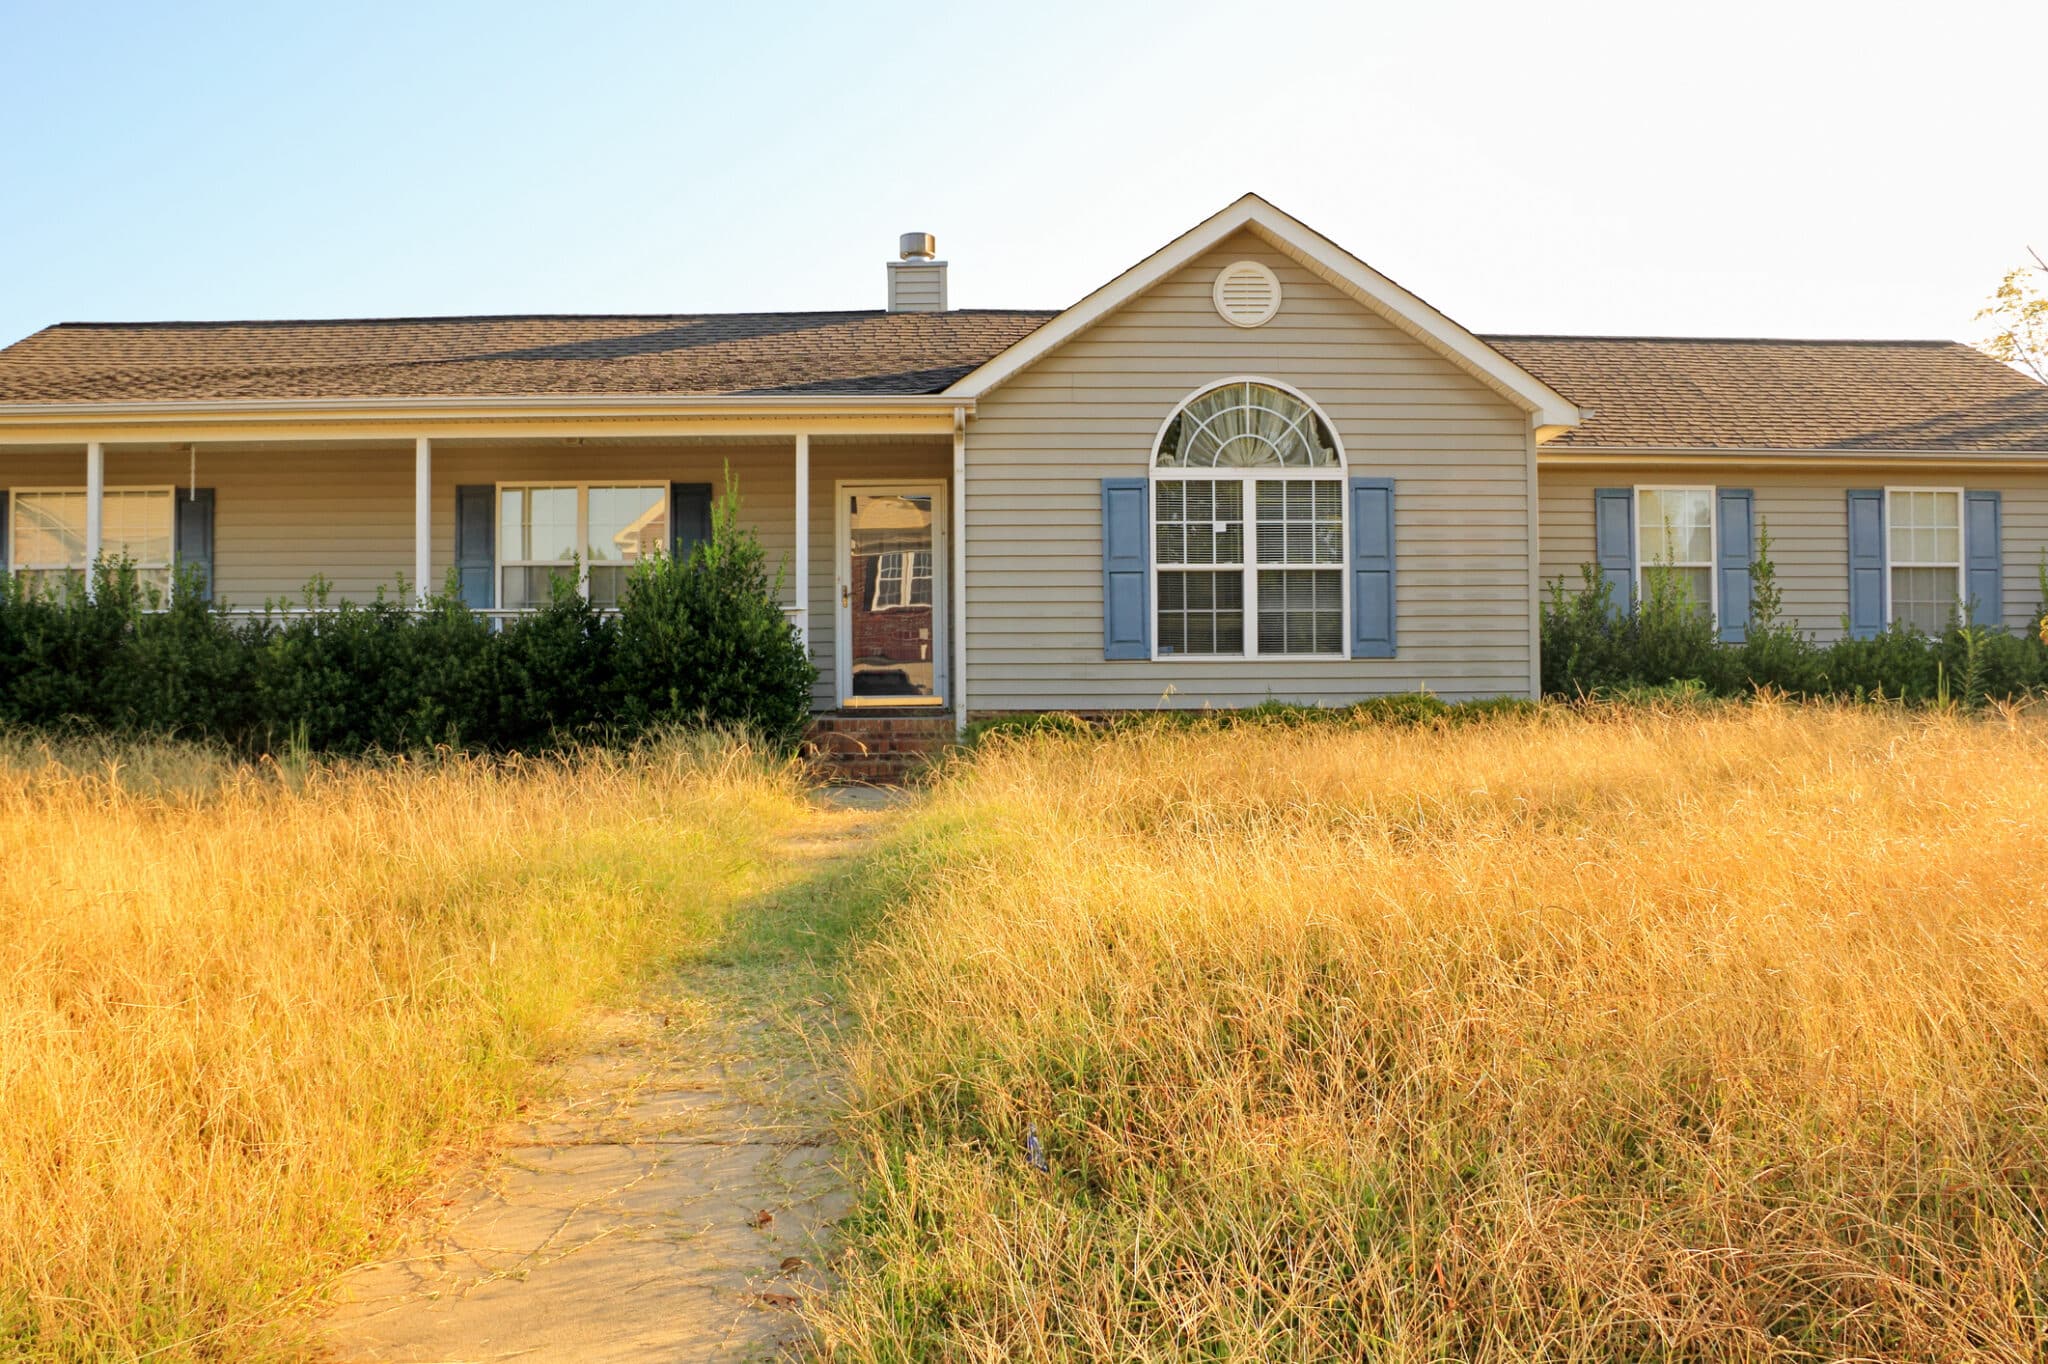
(1646, 392)
(718, 353)
(1786, 395)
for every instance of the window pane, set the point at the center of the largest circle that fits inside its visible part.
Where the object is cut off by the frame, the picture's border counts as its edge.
(1675, 526)
(1198, 523)
(1300, 521)
(1924, 597)
(1301, 611)
(136, 525)
(49, 529)
(626, 523)
(1201, 612)
(54, 583)
(528, 586)
(1695, 585)
(607, 583)
(1246, 426)
(1925, 527)
(537, 523)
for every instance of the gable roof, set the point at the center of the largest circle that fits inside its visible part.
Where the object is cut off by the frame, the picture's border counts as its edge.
(1314, 252)
(1606, 392)
(1653, 392)
(781, 354)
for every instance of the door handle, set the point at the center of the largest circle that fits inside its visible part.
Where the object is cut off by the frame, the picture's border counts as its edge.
(846, 594)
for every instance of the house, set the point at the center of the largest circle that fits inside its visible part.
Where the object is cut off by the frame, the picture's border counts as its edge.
(1248, 467)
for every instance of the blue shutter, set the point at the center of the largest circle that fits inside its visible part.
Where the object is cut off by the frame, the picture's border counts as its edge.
(1983, 572)
(1614, 541)
(1126, 568)
(689, 518)
(476, 552)
(1866, 562)
(1733, 521)
(192, 531)
(1372, 568)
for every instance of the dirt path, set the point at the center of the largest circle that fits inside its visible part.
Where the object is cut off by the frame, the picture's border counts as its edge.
(672, 1203)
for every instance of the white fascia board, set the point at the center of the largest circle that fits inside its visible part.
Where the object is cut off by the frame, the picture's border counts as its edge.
(1313, 251)
(654, 404)
(1767, 457)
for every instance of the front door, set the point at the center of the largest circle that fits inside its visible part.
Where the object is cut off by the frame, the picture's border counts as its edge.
(891, 636)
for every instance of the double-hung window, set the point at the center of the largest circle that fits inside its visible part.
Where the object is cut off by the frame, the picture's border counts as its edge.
(589, 534)
(1248, 527)
(1924, 527)
(47, 540)
(1675, 544)
(903, 577)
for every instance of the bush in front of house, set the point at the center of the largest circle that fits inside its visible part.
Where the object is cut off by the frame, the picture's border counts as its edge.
(1592, 645)
(702, 642)
(706, 641)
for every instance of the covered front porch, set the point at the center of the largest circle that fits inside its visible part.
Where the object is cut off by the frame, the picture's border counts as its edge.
(860, 515)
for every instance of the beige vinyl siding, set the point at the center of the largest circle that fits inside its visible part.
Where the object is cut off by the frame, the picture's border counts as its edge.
(280, 517)
(917, 287)
(1040, 445)
(1807, 514)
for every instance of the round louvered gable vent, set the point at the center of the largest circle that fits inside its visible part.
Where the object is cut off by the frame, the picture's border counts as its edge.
(1247, 294)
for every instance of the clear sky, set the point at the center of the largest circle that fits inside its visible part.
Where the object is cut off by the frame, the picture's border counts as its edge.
(1705, 169)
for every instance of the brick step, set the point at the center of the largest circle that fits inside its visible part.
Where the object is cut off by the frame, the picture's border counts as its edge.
(880, 749)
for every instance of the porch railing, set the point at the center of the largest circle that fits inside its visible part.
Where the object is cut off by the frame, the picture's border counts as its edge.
(796, 615)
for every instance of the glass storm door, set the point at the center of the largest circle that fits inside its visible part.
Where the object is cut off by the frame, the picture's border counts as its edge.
(891, 635)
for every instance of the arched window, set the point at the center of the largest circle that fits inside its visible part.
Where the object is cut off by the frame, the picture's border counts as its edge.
(1245, 424)
(1249, 527)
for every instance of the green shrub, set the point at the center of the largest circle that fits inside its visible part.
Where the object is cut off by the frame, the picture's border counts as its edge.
(706, 641)
(60, 649)
(555, 674)
(703, 642)
(1583, 645)
(1592, 648)
(188, 669)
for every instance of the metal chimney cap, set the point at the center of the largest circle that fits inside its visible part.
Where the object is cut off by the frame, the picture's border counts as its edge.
(917, 246)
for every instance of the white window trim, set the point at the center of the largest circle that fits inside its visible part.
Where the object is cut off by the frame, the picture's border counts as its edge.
(501, 563)
(1962, 547)
(1340, 473)
(1713, 564)
(14, 527)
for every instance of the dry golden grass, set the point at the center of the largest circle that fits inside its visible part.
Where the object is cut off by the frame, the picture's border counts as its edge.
(1694, 1035)
(240, 1008)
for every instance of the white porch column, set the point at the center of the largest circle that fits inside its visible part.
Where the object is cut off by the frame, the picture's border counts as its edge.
(422, 517)
(959, 501)
(95, 496)
(803, 537)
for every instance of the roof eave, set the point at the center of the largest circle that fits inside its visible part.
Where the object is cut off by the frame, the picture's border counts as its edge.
(1769, 456)
(150, 420)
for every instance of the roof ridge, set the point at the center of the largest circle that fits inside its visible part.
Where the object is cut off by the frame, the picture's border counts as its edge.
(538, 317)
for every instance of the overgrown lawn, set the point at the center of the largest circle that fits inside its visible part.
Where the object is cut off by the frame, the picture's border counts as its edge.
(241, 1006)
(1604, 1034)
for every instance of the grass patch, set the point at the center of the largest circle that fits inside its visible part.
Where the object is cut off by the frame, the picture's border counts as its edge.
(241, 1006)
(1593, 1033)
